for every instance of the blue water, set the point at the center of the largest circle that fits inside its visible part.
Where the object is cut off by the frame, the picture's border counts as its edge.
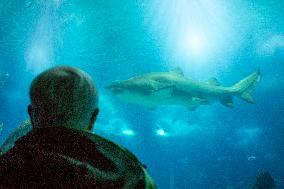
(213, 147)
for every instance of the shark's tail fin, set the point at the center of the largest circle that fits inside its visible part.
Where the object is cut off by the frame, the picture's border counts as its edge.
(244, 87)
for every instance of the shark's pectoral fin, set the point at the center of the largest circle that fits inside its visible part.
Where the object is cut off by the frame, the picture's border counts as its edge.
(227, 101)
(247, 97)
(193, 103)
(200, 101)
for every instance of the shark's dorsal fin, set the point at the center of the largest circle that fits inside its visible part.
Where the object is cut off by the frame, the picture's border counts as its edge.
(213, 81)
(177, 71)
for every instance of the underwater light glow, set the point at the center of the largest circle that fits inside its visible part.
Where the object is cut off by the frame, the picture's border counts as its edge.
(192, 31)
(38, 57)
(193, 44)
(128, 132)
(39, 54)
(161, 132)
(196, 43)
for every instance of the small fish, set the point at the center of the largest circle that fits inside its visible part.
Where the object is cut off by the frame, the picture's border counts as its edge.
(251, 158)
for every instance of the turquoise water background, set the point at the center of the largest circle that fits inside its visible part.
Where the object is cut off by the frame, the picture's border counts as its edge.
(213, 147)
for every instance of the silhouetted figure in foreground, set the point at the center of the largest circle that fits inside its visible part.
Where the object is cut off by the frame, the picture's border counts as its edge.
(60, 151)
(264, 181)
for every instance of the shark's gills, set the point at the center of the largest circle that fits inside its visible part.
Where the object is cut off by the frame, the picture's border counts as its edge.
(245, 87)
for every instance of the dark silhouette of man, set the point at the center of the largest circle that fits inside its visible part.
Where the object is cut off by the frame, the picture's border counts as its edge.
(61, 151)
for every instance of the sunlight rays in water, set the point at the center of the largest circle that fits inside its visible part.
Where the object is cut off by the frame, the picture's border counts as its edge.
(192, 31)
(40, 50)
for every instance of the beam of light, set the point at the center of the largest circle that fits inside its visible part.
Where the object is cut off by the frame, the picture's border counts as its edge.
(192, 31)
(128, 132)
(194, 43)
(38, 57)
(40, 50)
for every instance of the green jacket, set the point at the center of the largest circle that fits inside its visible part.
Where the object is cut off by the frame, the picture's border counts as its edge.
(58, 157)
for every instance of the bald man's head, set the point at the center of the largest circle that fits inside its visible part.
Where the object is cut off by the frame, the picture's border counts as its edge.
(63, 96)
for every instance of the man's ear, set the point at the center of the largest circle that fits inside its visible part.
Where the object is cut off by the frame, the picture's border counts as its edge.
(93, 119)
(30, 111)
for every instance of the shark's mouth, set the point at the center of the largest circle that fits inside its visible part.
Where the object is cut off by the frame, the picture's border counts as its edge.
(114, 89)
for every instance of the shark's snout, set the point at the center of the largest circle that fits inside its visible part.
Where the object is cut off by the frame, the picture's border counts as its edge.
(115, 88)
(108, 87)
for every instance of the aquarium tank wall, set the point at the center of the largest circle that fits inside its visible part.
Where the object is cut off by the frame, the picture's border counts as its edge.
(190, 122)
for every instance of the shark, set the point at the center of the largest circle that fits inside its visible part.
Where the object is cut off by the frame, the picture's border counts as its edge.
(174, 88)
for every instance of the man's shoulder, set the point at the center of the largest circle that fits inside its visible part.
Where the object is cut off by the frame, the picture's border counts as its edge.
(31, 161)
(108, 146)
(33, 168)
(126, 162)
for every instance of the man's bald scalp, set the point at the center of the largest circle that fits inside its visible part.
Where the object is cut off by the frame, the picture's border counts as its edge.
(63, 96)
